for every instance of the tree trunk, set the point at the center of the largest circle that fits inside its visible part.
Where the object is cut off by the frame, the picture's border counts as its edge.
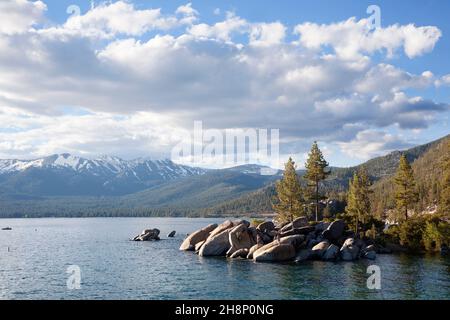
(406, 207)
(317, 201)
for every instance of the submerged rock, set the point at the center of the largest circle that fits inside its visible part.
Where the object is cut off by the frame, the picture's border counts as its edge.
(172, 234)
(303, 255)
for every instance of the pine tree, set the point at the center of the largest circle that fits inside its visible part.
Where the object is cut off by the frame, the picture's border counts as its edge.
(405, 187)
(358, 200)
(290, 202)
(315, 172)
(444, 205)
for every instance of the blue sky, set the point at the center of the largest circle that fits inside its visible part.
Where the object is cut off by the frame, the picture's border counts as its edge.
(126, 79)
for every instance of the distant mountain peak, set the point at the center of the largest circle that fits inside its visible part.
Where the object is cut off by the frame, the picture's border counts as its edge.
(73, 175)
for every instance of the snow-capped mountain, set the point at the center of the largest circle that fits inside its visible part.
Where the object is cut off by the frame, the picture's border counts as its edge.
(102, 165)
(72, 175)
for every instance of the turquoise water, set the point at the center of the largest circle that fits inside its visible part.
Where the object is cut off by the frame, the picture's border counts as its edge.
(34, 257)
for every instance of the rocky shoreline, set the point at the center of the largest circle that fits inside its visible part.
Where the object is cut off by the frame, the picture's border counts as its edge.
(267, 242)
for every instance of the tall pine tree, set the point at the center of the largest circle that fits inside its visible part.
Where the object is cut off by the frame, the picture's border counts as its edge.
(444, 205)
(405, 187)
(315, 172)
(358, 201)
(290, 202)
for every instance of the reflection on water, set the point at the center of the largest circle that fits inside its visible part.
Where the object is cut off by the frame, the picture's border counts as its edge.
(112, 267)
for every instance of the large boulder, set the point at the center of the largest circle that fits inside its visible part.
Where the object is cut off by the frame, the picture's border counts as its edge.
(296, 241)
(319, 249)
(196, 237)
(371, 255)
(221, 227)
(199, 245)
(312, 242)
(216, 245)
(240, 238)
(238, 222)
(264, 247)
(275, 253)
(297, 223)
(321, 226)
(334, 230)
(253, 233)
(263, 237)
(148, 235)
(349, 251)
(253, 249)
(369, 252)
(303, 255)
(266, 226)
(332, 253)
(241, 253)
(302, 230)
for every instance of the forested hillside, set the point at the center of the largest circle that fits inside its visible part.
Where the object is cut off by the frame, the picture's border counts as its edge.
(428, 176)
(236, 191)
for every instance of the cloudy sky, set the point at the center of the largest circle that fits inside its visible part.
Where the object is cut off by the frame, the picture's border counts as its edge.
(129, 78)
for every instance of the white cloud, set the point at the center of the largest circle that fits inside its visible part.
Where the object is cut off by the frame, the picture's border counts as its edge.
(443, 81)
(121, 17)
(369, 144)
(221, 30)
(17, 16)
(233, 73)
(352, 38)
(267, 34)
(27, 135)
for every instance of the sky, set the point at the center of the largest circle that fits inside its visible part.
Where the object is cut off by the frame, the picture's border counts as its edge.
(130, 78)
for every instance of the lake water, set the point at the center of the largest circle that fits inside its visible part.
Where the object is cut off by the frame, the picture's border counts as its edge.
(34, 257)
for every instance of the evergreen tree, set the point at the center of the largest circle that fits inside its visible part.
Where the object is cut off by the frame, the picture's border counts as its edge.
(405, 187)
(315, 172)
(290, 202)
(358, 201)
(444, 205)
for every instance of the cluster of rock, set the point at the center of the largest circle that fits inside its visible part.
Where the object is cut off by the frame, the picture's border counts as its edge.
(151, 235)
(148, 235)
(296, 241)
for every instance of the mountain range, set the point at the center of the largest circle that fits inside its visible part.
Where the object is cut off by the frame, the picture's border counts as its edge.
(74, 186)
(68, 175)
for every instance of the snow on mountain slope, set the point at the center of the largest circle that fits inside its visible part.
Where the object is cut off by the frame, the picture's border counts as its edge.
(101, 165)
